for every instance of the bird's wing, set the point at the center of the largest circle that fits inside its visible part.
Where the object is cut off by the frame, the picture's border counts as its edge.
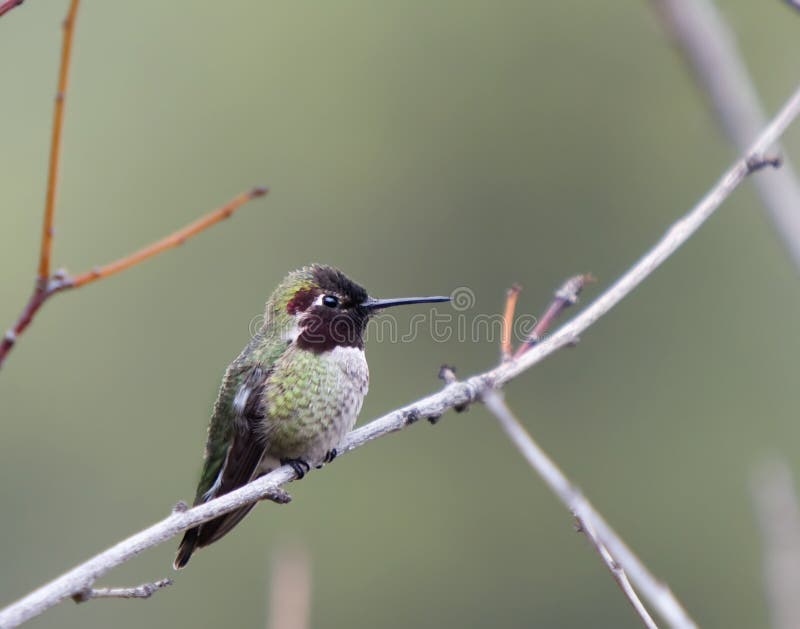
(247, 446)
(235, 448)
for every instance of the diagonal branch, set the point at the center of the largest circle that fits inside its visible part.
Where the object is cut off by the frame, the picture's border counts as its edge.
(172, 240)
(565, 296)
(709, 47)
(619, 561)
(432, 406)
(618, 573)
(6, 6)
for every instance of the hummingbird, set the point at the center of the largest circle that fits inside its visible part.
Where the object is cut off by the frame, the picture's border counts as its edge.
(293, 392)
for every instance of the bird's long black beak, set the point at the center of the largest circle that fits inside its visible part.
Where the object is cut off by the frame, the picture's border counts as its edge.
(375, 304)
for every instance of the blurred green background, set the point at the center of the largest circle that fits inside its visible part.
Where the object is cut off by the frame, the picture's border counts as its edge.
(420, 146)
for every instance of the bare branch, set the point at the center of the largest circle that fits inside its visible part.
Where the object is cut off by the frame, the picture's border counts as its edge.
(778, 514)
(47, 284)
(508, 322)
(615, 554)
(710, 49)
(172, 240)
(433, 406)
(617, 572)
(60, 281)
(145, 590)
(565, 296)
(68, 26)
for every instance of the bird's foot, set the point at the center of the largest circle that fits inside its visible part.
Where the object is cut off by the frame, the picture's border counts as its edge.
(330, 455)
(299, 466)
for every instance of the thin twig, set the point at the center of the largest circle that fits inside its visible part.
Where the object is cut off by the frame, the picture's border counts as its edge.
(506, 348)
(617, 572)
(564, 297)
(617, 556)
(778, 514)
(710, 49)
(68, 26)
(172, 240)
(6, 6)
(145, 590)
(454, 394)
(290, 590)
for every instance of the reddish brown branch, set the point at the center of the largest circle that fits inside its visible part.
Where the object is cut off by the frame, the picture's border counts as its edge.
(6, 6)
(508, 321)
(564, 297)
(35, 302)
(68, 26)
(44, 286)
(175, 238)
(48, 284)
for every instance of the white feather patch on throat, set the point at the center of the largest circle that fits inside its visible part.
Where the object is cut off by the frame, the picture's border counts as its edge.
(353, 362)
(290, 335)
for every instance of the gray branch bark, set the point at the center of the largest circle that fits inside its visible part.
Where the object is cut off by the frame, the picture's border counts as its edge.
(460, 393)
(145, 590)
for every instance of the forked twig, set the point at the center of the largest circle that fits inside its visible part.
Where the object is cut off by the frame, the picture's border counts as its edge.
(617, 572)
(47, 283)
(614, 552)
(564, 297)
(61, 281)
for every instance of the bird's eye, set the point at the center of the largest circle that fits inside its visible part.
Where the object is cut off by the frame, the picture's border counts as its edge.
(330, 300)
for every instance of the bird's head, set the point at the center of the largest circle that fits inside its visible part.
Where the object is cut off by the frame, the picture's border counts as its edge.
(320, 308)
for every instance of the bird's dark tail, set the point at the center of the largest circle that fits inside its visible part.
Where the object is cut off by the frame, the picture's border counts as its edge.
(241, 465)
(207, 533)
(186, 548)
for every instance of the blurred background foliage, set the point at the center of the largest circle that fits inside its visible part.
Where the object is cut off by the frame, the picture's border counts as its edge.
(420, 146)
